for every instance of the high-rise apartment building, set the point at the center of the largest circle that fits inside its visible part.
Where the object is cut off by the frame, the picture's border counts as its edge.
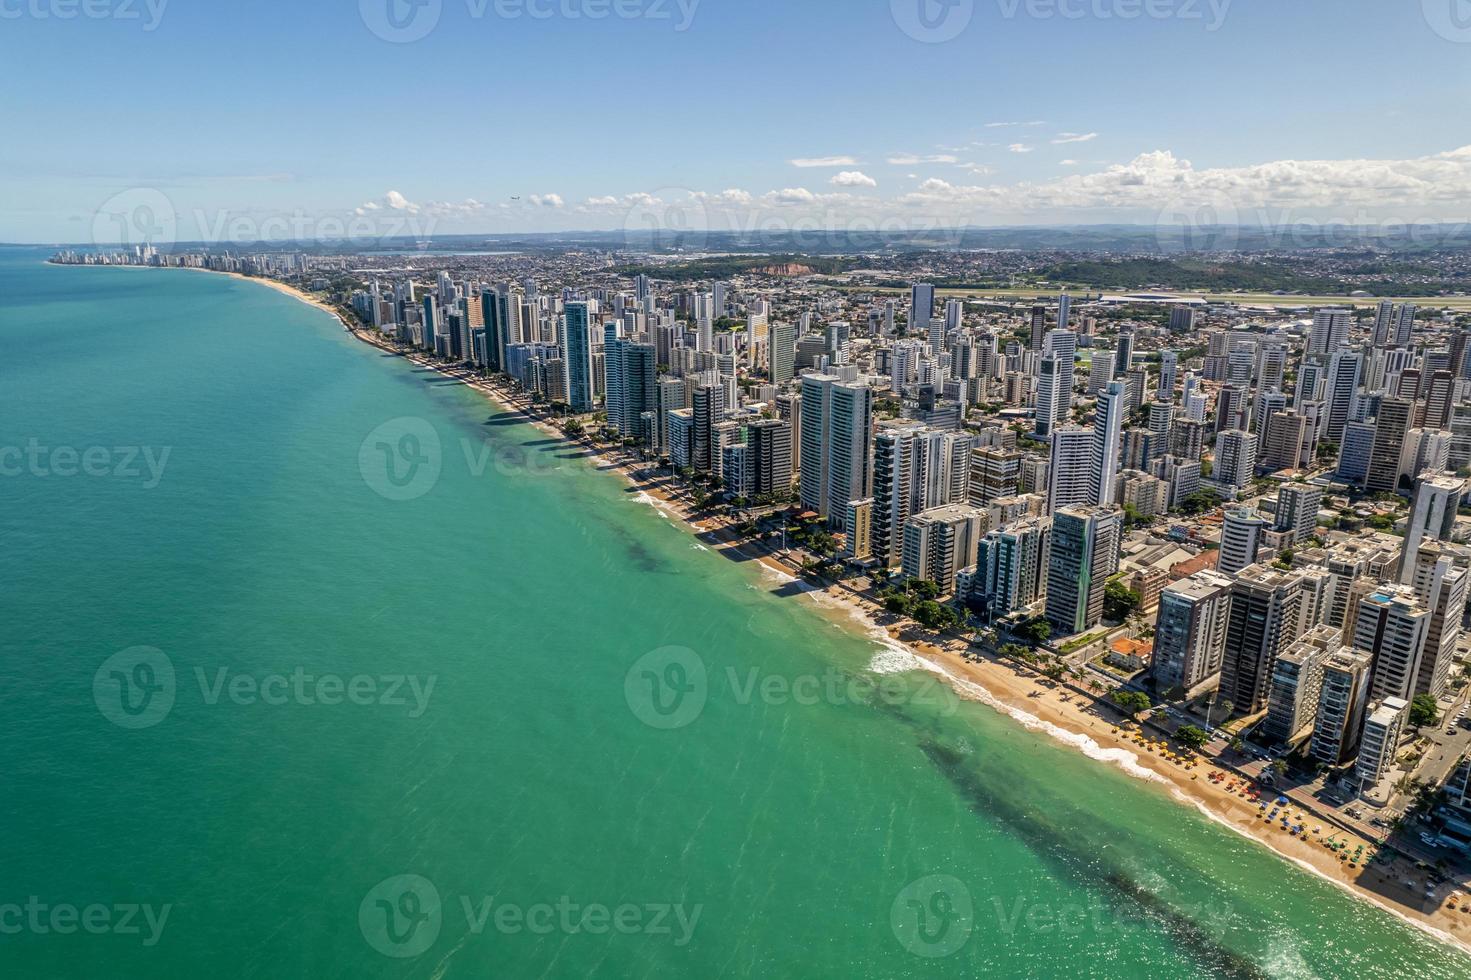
(1392, 626)
(577, 347)
(1190, 633)
(1071, 476)
(942, 541)
(1297, 509)
(1437, 501)
(1084, 552)
(1241, 538)
(1108, 425)
(837, 419)
(1265, 619)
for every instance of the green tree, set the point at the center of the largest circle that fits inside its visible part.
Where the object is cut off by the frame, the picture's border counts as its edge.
(1199, 502)
(898, 603)
(924, 588)
(1193, 737)
(1120, 602)
(1132, 702)
(1038, 631)
(931, 615)
(1423, 711)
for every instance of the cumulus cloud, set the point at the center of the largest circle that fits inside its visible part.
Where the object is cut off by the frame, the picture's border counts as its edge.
(1150, 187)
(910, 159)
(393, 201)
(730, 197)
(547, 200)
(792, 195)
(1074, 138)
(1439, 185)
(398, 202)
(812, 162)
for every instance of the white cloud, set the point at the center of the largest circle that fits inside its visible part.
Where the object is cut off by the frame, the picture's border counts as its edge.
(1019, 148)
(811, 162)
(730, 197)
(1154, 184)
(1004, 125)
(792, 195)
(398, 202)
(910, 159)
(1074, 137)
(1423, 188)
(547, 200)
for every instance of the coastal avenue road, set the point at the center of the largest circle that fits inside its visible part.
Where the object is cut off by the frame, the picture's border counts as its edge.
(1446, 750)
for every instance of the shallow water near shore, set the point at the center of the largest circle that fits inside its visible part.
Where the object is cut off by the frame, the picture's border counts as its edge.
(585, 711)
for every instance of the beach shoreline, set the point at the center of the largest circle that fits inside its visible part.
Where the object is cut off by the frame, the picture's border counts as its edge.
(1065, 715)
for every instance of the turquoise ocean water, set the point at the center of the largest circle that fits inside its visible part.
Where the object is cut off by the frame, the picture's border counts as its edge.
(362, 678)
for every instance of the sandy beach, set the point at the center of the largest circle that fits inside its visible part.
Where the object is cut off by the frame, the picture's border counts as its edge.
(1066, 714)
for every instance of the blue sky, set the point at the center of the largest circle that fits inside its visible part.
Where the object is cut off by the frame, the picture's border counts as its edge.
(248, 112)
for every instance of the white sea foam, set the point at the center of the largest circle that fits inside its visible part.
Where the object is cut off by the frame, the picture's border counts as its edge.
(1122, 758)
(776, 573)
(1317, 872)
(894, 658)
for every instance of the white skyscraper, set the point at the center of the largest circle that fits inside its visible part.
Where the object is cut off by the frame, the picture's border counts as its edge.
(1437, 499)
(1049, 395)
(1241, 538)
(1235, 458)
(1071, 474)
(1342, 384)
(1330, 330)
(837, 420)
(1108, 427)
(1063, 345)
(1392, 625)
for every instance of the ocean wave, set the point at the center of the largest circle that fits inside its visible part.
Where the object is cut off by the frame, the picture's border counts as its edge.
(1121, 758)
(1319, 873)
